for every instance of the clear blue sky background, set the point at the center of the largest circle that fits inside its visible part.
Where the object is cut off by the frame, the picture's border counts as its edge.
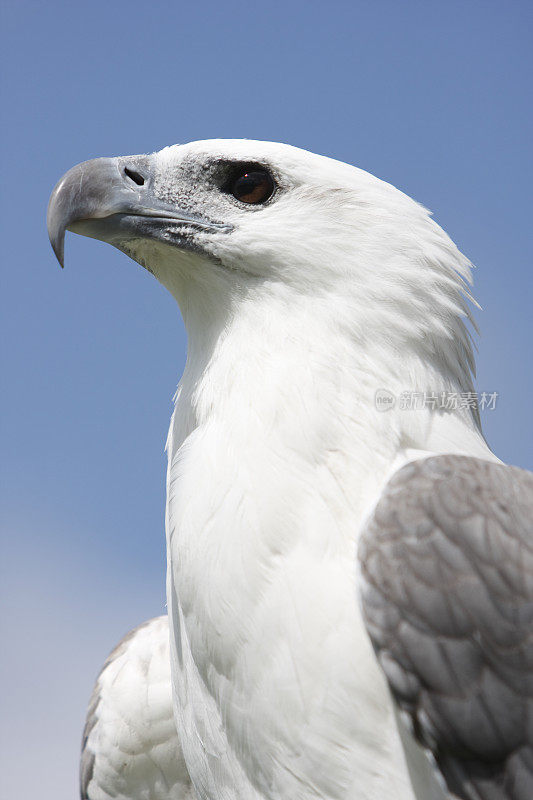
(435, 97)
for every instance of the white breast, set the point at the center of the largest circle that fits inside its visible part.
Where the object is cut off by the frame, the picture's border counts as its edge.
(278, 691)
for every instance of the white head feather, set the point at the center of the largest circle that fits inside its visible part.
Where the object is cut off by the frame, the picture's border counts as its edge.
(341, 261)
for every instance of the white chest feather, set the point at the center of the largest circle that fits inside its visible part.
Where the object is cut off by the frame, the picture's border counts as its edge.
(273, 668)
(275, 455)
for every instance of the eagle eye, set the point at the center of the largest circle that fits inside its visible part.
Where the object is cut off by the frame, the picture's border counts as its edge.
(252, 186)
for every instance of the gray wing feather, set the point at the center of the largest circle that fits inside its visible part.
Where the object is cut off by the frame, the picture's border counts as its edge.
(447, 592)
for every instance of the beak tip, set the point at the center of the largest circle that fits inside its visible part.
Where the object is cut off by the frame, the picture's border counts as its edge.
(59, 252)
(58, 246)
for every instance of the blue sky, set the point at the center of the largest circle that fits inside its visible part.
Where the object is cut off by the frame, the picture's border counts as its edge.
(433, 97)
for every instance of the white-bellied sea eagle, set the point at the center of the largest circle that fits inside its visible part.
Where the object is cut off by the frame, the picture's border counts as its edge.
(350, 577)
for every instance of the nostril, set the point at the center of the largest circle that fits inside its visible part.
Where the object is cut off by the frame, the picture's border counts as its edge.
(134, 176)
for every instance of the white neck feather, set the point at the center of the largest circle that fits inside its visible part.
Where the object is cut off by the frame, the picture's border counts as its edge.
(281, 372)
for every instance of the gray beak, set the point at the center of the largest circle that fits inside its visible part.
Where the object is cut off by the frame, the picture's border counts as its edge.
(112, 199)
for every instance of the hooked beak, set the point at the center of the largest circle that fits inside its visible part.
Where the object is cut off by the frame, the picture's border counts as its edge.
(112, 199)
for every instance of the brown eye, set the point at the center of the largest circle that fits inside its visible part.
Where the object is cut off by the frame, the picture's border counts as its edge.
(253, 187)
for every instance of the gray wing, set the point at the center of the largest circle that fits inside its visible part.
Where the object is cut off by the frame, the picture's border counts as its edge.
(130, 745)
(447, 593)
